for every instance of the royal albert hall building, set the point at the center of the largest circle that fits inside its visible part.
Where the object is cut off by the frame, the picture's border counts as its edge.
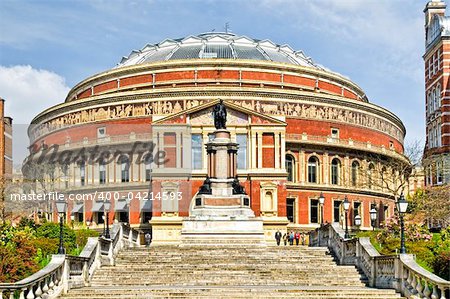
(301, 128)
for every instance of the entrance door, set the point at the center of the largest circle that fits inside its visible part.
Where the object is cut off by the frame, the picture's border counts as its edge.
(290, 202)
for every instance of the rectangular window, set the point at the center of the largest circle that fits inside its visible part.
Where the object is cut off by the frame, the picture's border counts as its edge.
(335, 133)
(196, 144)
(290, 203)
(356, 210)
(101, 132)
(439, 59)
(241, 140)
(337, 210)
(314, 211)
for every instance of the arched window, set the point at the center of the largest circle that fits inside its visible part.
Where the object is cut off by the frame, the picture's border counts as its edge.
(313, 170)
(355, 172)
(290, 163)
(125, 168)
(102, 172)
(335, 171)
(82, 173)
(370, 173)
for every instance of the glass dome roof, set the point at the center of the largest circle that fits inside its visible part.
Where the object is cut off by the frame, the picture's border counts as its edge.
(217, 45)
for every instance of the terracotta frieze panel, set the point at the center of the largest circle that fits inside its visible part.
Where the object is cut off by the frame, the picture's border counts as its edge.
(293, 109)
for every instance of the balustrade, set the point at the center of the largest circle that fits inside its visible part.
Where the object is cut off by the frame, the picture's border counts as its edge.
(66, 271)
(399, 272)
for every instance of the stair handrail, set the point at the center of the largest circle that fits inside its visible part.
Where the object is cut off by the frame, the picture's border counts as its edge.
(400, 272)
(66, 272)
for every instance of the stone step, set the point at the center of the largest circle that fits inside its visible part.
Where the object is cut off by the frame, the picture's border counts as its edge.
(228, 272)
(236, 292)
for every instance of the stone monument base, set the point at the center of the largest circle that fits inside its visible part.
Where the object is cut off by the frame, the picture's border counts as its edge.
(222, 231)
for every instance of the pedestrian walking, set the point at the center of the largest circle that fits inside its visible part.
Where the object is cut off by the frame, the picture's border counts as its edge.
(285, 239)
(297, 238)
(278, 237)
(291, 238)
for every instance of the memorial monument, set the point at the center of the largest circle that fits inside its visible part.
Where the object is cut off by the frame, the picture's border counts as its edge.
(220, 213)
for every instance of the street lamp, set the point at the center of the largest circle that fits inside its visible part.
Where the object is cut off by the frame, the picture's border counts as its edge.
(346, 204)
(61, 208)
(107, 205)
(402, 205)
(321, 202)
(373, 217)
(358, 221)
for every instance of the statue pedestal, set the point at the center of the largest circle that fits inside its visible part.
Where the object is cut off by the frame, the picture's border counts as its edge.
(220, 213)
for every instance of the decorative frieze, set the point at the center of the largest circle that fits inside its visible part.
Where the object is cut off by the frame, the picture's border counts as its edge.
(292, 109)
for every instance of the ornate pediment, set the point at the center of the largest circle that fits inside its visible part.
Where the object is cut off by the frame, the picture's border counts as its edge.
(201, 115)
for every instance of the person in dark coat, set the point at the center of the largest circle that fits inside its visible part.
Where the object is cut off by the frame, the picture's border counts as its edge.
(278, 237)
(285, 239)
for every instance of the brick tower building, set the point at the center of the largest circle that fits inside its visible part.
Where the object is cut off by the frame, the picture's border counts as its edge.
(436, 159)
(6, 163)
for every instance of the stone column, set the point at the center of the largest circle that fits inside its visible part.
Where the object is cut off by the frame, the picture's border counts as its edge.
(253, 154)
(260, 150)
(277, 149)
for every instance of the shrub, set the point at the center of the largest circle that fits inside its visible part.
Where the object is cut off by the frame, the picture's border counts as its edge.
(51, 231)
(82, 236)
(441, 265)
(18, 258)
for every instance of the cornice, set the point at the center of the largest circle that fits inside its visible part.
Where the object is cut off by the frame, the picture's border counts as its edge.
(175, 65)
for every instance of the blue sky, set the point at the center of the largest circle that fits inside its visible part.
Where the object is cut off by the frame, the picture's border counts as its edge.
(49, 46)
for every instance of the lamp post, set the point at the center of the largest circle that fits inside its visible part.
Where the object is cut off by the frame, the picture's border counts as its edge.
(107, 205)
(61, 208)
(346, 204)
(373, 217)
(321, 202)
(358, 221)
(402, 205)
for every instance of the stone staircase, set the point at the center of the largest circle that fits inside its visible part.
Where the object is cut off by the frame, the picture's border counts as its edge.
(227, 272)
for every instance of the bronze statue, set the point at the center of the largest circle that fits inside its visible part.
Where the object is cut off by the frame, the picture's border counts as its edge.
(220, 115)
(206, 187)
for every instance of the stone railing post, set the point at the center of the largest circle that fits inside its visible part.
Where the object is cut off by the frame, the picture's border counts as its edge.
(85, 272)
(65, 275)
(111, 253)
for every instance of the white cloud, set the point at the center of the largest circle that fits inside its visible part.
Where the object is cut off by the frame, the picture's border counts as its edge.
(27, 91)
